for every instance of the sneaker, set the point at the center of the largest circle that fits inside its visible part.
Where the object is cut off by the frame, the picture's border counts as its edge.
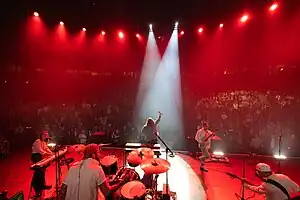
(202, 168)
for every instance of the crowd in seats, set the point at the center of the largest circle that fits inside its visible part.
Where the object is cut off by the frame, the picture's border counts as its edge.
(252, 121)
(246, 120)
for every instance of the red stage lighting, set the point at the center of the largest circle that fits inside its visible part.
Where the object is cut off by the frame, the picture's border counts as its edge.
(182, 33)
(84, 29)
(244, 18)
(221, 25)
(121, 35)
(273, 7)
(36, 14)
(102, 32)
(61, 23)
(200, 30)
(137, 35)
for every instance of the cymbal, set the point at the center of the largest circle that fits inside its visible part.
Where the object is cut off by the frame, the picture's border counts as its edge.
(145, 152)
(134, 159)
(103, 145)
(155, 166)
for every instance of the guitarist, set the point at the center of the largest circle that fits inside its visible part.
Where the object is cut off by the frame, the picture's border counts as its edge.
(274, 186)
(203, 137)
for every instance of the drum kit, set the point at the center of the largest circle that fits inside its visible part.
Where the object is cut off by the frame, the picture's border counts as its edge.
(135, 188)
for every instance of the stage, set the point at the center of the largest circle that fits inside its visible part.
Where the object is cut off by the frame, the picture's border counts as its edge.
(185, 177)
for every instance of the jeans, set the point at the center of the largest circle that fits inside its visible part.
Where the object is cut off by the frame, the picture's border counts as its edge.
(38, 179)
(205, 155)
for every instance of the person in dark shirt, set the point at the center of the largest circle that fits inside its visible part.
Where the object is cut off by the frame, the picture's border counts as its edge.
(150, 131)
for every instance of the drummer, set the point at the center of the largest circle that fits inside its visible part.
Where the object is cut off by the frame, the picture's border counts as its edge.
(83, 180)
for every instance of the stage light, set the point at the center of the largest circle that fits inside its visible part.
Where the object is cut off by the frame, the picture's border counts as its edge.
(5, 81)
(61, 23)
(176, 25)
(150, 27)
(121, 35)
(218, 153)
(137, 35)
(200, 30)
(102, 32)
(244, 18)
(280, 157)
(273, 7)
(182, 33)
(221, 25)
(36, 14)
(84, 29)
(26, 82)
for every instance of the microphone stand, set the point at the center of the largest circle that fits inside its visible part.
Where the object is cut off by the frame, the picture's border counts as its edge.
(168, 150)
(279, 151)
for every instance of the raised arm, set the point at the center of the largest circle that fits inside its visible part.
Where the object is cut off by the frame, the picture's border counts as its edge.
(158, 118)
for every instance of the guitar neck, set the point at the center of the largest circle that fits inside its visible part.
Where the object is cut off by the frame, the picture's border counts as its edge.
(239, 178)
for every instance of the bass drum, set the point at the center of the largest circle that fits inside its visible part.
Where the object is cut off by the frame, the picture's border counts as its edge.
(109, 165)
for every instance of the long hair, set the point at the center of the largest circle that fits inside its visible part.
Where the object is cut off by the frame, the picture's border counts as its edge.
(150, 122)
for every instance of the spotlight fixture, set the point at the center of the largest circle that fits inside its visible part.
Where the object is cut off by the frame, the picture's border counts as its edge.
(121, 35)
(36, 14)
(273, 7)
(102, 32)
(244, 18)
(61, 23)
(221, 25)
(150, 27)
(84, 29)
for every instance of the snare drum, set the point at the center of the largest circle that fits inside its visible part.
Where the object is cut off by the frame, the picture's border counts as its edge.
(109, 165)
(133, 190)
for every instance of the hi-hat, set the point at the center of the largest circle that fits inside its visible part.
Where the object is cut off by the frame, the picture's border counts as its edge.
(155, 166)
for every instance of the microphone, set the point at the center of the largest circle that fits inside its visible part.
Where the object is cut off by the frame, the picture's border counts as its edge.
(160, 113)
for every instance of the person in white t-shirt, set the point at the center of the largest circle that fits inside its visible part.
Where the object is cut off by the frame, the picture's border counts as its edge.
(40, 150)
(84, 180)
(203, 137)
(269, 190)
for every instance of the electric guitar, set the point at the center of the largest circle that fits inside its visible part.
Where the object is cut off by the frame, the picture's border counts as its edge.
(204, 142)
(295, 196)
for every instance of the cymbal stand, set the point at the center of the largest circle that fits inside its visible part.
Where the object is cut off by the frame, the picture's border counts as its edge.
(154, 187)
(279, 152)
(166, 196)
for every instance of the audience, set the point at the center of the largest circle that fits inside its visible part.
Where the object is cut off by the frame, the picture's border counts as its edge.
(246, 120)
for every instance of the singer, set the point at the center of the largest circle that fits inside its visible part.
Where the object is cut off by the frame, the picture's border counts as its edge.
(150, 130)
